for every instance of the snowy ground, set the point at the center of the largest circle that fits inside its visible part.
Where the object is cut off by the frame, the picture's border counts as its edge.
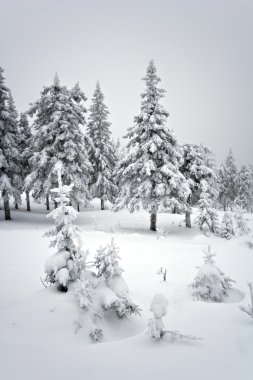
(37, 330)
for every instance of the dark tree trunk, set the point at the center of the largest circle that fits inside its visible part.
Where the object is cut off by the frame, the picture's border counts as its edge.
(188, 223)
(16, 206)
(62, 288)
(175, 210)
(153, 219)
(78, 207)
(7, 211)
(102, 204)
(55, 204)
(47, 202)
(28, 207)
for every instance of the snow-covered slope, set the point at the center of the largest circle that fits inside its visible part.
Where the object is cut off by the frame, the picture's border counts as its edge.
(37, 325)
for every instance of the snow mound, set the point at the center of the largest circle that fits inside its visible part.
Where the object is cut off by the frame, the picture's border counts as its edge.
(60, 315)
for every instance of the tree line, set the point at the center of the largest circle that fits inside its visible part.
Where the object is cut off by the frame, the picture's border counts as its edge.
(152, 171)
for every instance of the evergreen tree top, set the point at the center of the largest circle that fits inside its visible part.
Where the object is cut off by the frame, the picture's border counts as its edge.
(208, 256)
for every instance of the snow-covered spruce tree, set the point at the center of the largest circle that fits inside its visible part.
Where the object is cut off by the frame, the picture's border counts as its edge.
(110, 272)
(59, 116)
(245, 189)
(10, 179)
(149, 175)
(14, 115)
(228, 178)
(227, 230)
(198, 164)
(207, 218)
(25, 147)
(249, 309)
(69, 260)
(210, 284)
(101, 153)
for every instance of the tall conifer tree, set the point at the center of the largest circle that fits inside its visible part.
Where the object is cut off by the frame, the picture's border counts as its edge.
(10, 179)
(149, 175)
(59, 116)
(228, 181)
(102, 153)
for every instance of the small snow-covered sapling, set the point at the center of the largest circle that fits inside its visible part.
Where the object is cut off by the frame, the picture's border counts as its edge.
(110, 272)
(84, 293)
(65, 265)
(249, 309)
(162, 233)
(210, 284)
(159, 307)
(227, 230)
(107, 261)
(241, 223)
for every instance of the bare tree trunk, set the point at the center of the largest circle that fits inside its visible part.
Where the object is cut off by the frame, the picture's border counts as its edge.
(28, 207)
(7, 211)
(188, 223)
(175, 210)
(55, 204)
(16, 206)
(153, 219)
(78, 207)
(47, 202)
(102, 204)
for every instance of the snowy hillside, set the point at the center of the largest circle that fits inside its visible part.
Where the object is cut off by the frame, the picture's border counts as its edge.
(39, 334)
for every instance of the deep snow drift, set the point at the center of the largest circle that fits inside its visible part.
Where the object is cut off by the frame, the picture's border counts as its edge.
(39, 335)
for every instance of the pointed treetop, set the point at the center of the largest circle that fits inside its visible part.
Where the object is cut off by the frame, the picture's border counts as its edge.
(1, 73)
(208, 258)
(56, 80)
(12, 106)
(151, 76)
(77, 93)
(98, 88)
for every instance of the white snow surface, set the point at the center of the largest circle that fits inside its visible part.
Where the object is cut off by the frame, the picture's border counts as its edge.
(38, 338)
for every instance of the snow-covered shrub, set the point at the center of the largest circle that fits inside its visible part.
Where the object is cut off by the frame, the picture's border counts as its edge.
(162, 233)
(107, 261)
(96, 335)
(84, 293)
(65, 265)
(124, 307)
(249, 309)
(250, 244)
(158, 307)
(227, 226)
(207, 219)
(241, 223)
(110, 274)
(210, 284)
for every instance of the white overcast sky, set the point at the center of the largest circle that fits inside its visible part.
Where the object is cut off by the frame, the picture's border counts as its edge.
(203, 50)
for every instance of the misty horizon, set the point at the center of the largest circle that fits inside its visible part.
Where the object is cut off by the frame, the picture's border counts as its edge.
(202, 51)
